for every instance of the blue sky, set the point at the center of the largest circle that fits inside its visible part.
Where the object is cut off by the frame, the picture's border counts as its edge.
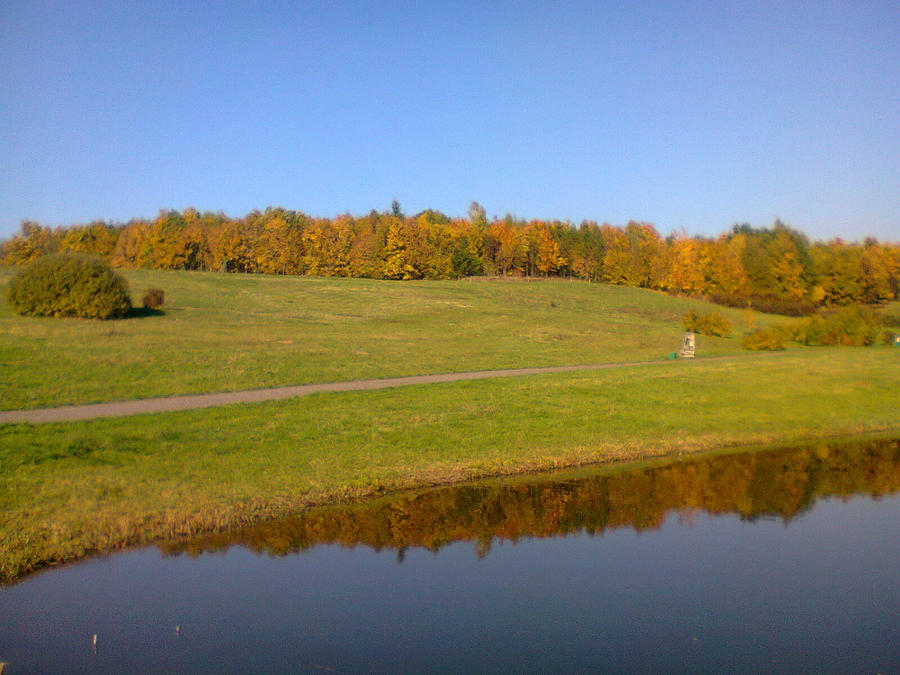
(693, 115)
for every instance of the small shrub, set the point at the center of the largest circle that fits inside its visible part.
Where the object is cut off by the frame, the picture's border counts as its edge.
(887, 337)
(763, 340)
(69, 284)
(715, 324)
(712, 323)
(690, 320)
(154, 299)
(851, 326)
(809, 331)
(847, 326)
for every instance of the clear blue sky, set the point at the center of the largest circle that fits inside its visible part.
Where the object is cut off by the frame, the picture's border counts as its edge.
(693, 115)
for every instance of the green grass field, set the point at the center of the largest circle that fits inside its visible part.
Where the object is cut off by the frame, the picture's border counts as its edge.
(224, 332)
(71, 489)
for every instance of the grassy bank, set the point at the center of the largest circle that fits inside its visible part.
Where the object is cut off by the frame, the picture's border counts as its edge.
(71, 489)
(225, 332)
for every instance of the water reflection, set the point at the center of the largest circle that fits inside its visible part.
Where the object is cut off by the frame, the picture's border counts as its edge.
(697, 593)
(776, 483)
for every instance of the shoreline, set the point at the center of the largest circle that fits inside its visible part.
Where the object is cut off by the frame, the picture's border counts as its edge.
(263, 511)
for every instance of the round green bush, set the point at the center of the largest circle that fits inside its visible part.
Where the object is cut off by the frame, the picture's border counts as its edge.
(69, 284)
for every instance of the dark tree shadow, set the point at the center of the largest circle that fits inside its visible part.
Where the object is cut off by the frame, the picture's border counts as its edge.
(143, 312)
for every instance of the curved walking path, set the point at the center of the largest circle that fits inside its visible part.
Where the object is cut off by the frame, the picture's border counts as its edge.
(194, 401)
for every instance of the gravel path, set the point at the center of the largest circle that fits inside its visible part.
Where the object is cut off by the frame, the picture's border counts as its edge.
(192, 402)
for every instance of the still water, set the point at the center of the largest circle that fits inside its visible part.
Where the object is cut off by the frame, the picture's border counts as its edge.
(781, 560)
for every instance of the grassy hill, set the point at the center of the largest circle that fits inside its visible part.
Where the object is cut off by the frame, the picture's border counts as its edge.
(224, 332)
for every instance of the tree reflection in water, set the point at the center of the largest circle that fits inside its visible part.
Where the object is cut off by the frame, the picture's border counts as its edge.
(780, 483)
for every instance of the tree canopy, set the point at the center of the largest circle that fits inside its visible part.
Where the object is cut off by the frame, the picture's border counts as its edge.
(773, 268)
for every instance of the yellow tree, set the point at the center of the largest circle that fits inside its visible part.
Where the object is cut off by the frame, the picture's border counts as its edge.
(434, 245)
(509, 255)
(721, 270)
(344, 236)
(616, 256)
(397, 255)
(838, 273)
(787, 267)
(164, 240)
(643, 247)
(549, 259)
(33, 241)
(892, 260)
(683, 269)
(229, 248)
(326, 247)
(277, 245)
(133, 248)
(96, 239)
(875, 264)
(364, 256)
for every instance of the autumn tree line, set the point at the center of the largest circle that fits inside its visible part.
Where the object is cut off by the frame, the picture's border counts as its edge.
(770, 268)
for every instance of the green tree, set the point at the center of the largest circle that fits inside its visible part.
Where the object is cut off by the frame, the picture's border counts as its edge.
(789, 262)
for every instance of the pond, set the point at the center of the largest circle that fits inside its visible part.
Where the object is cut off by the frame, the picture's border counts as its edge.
(778, 560)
